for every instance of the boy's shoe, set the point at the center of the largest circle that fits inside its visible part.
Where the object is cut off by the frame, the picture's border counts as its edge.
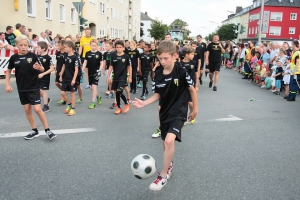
(210, 84)
(67, 109)
(262, 86)
(193, 121)
(286, 97)
(134, 92)
(114, 105)
(79, 101)
(87, 86)
(46, 108)
(139, 86)
(215, 88)
(142, 97)
(49, 100)
(126, 108)
(118, 111)
(170, 169)
(277, 92)
(147, 92)
(99, 99)
(111, 95)
(156, 134)
(62, 102)
(158, 183)
(31, 135)
(92, 105)
(72, 112)
(50, 135)
(200, 80)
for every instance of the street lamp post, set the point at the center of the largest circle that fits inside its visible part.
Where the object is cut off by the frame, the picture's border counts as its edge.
(261, 19)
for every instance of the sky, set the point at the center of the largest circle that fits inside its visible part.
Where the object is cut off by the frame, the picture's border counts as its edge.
(197, 13)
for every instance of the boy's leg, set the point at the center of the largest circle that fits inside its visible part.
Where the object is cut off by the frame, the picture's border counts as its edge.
(94, 92)
(169, 150)
(73, 97)
(79, 89)
(127, 92)
(44, 96)
(216, 78)
(29, 115)
(41, 115)
(65, 96)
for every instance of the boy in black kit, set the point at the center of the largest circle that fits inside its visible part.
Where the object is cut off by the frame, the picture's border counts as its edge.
(44, 77)
(134, 55)
(60, 59)
(106, 63)
(171, 84)
(197, 59)
(27, 68)
(145, 67)
(68, 77)
(121, 65)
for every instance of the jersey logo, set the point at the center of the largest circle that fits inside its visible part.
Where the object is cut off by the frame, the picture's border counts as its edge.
(70, 61)
(176, 81)
(29, 60)
(97, 56)
(192, 66)
(123, 60)
(148, 58)
(44, 60)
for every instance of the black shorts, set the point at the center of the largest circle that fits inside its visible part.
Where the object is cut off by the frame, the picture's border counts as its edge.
(67, 87)
(214, 66)
(119, 85)
(30, 97)
(93, 81)
(241, 60)
(44, 85)
(145, 75)
(202, 64)
(57, 78)
(78, 79)
(174, 127)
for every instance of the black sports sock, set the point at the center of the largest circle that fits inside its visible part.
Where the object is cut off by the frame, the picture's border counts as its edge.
(35, 130)
(47, 129)
(70, 104)
(124, 98)
(144, 87)
(118, 98)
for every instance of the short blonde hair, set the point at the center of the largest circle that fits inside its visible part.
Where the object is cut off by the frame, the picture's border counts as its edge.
(20, 38)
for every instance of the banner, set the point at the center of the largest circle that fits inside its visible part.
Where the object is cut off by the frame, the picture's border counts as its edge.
(265, 24)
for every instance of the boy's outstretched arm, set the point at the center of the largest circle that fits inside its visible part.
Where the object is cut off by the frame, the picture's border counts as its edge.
(140, 104)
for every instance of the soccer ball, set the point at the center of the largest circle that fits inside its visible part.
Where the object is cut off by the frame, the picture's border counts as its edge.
(143, 166)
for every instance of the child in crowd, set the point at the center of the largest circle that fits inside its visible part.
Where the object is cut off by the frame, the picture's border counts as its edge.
(106, 63)
(60, 57)
(134, 55)
(267, 84)
(278, 77)
(262, 75)
(256, 71)
(286, 77)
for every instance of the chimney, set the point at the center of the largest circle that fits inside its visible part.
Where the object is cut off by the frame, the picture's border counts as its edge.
(238, 9)
(146, 13)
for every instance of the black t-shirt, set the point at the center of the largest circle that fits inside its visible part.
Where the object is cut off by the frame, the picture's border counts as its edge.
(93, 61)
(146, 59)
(214, 52)
(279, 70)
(133, 55)
(196, 57)
(201, 48)
(10, 38)
(120, 64)
(153, 53)
(71, 62)
(60, 60)
(79, 70)
(107, 57)
(191, 68)
(46, 61)
(26, 76)
(77, 45)
(173, 91)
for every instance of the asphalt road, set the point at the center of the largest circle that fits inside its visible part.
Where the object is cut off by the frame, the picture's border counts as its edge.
(237, 149)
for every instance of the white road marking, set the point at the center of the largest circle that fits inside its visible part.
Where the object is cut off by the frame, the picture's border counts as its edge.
(230, 118)
(61, 131)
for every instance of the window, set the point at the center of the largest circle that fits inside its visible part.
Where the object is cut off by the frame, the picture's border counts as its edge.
(293, 16)
(73, 21)
(112, 12)
(31, 8)
(252, 30)
(116, 33)
(275, 30)
(48, 6)
(292, 30)
(62, 13)
(102, 8)
(255, 29)
(275, 16)
(102, 32)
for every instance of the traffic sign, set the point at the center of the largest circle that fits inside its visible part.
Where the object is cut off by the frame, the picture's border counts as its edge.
(262, 35)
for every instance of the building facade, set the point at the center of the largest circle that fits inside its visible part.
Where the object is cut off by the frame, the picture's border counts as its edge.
(146, 21)
(110, 18)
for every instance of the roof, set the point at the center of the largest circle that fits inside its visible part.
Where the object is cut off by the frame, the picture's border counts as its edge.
(286, 3)
(145, 17)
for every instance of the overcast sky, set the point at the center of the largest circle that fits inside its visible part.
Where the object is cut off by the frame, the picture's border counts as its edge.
(197, 13)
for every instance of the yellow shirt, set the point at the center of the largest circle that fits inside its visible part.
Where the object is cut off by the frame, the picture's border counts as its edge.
(17, 33)
(85, 44)
(262, 72)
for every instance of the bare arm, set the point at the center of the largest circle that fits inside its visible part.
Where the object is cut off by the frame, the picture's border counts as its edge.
(8, 88)
(108, 74)
(195, 103)
(140, 104)
(75, 76)
(84, 65)
(80, 50)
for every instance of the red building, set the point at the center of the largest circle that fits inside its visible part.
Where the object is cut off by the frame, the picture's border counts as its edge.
(281, 20)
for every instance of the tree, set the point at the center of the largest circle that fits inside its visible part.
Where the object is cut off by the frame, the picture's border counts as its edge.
(141, 30)
(226, 32)
(158, 30)
(210, 36)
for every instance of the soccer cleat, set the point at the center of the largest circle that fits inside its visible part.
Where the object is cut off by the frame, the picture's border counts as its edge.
(193, 121)
(156, 134)
(31, 135)
(139, 86)
(210, 84)
(99, 99)
(111, 95)
(67, 109)
(49, 100)
(126, 108)
(118, 111)
(50, 135)
(142, 97)
(158, 183)
(170, 169)
(62, 102)
(215, 88)
(114, 105)
(92, 105)
(79, 101)
(46, 108)
(72, 112)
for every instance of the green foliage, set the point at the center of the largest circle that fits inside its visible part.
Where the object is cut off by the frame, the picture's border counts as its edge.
(158, 30)
(226, 32)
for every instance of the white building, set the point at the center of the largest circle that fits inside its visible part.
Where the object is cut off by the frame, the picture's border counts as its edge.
(146, 20)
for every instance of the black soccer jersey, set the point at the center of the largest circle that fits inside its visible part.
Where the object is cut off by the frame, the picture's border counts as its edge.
(201, 48)
(196, 57)
(120, 64)
(107, 57)
(133, 55)
(146, 59)
(93, 61)
(191, 68)
(46, 61)
(71, 62)
(60, 60)
(77, 45)
(173, 92)
(26, 76)
(153, 53)
(214, 50)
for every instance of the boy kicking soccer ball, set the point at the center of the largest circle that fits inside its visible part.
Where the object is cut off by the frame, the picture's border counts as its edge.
(28, 68)
(171, 85)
